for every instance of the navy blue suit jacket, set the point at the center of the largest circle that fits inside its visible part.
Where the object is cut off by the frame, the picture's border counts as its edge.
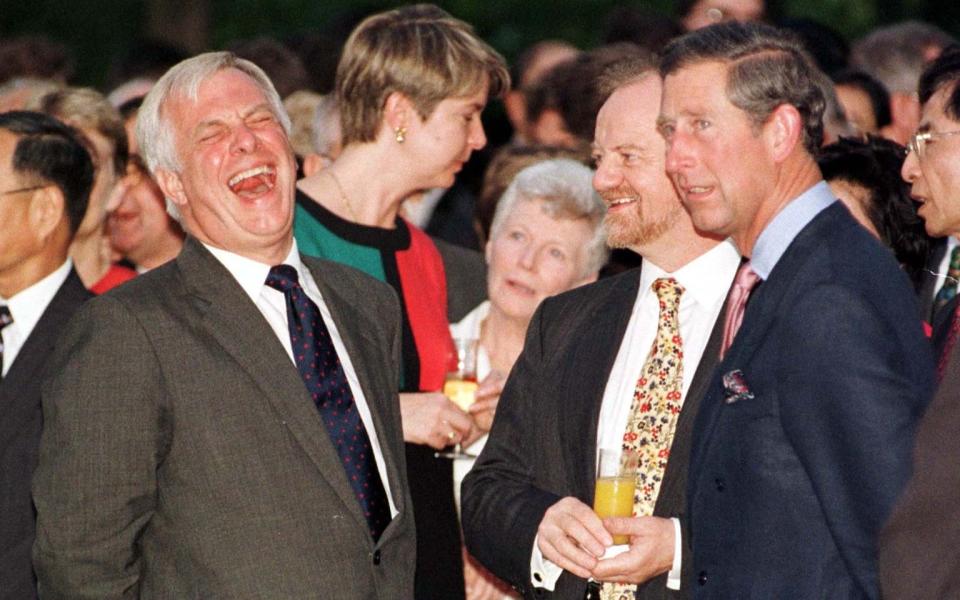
(792, 479)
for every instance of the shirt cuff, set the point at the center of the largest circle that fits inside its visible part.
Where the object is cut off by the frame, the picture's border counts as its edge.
(673, 577)
(543, 573)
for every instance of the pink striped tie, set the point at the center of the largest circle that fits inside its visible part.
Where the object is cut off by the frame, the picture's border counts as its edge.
(744, 283)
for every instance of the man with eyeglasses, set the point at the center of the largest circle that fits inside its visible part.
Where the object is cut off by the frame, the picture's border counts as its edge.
(45, 180)
(918, 548)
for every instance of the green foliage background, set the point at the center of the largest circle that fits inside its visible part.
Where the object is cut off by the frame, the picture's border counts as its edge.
(98, 30)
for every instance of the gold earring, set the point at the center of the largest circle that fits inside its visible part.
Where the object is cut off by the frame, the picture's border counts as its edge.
(401, 134)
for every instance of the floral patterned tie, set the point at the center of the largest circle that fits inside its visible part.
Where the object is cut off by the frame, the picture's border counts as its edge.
(657, 400)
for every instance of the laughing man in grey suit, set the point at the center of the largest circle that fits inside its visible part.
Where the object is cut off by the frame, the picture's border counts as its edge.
(526, 507)
(183, 455)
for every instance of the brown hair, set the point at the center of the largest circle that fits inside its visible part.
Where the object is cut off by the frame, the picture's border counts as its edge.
(420, 51)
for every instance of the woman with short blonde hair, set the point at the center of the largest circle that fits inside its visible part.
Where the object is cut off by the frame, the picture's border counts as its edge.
(411, 85)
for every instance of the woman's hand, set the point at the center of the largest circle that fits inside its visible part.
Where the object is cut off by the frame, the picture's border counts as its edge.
(430, 418)
(488, 396)
(481, 584)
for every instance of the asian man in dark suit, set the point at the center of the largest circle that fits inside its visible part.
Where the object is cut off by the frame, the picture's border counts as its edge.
(226, 425)
(579, 383)
(918, 547)
(803, 439)
(45, 180)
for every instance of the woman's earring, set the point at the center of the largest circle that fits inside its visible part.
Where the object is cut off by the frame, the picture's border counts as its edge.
(401, 134)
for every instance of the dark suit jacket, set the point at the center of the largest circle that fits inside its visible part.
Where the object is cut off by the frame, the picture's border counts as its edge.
(543, 443)
(918, 545)
(182, 456)
(21, 420)
(788, 488)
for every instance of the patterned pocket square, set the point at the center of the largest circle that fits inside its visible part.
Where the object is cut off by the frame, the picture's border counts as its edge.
(735, 387)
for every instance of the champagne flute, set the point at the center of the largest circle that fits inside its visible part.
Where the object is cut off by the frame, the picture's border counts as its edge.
(461, 384)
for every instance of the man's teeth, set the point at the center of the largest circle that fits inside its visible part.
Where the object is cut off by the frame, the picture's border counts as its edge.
(619, 201)
(262, 170)
(697, 190)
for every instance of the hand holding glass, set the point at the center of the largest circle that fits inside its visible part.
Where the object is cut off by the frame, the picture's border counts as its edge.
(616, 484)
(461, 382)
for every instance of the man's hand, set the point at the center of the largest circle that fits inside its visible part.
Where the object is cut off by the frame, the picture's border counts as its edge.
(572, 536)
(650, 554)
(430, 418)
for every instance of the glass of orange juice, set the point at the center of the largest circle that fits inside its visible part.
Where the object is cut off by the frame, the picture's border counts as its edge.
(461, 382)
(616, 484)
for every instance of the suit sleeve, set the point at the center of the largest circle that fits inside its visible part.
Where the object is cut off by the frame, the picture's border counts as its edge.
(104, 438)
(502, 505)
(851, 391)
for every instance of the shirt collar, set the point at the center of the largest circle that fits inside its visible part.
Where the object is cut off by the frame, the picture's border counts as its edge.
(704, 279)
(27, 305)
(252, 274)
(777, 236)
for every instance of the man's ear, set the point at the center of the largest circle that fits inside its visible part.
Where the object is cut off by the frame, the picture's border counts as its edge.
(783, 131)
(172, 186)
(47, 211)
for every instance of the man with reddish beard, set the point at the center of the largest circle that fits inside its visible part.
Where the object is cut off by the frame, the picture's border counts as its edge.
(226, 425)
(803, 438)
(579, 384)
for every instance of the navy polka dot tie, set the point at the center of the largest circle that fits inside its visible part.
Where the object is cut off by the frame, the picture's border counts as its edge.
(324, 377)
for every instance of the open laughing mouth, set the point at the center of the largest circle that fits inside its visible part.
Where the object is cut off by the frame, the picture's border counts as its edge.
(253, 182)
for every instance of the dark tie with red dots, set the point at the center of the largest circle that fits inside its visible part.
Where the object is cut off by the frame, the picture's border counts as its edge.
(326, 381)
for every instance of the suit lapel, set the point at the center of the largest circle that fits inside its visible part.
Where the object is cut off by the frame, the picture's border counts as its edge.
(584, 385)
(39, 344)
(237, 325)
(378, 390)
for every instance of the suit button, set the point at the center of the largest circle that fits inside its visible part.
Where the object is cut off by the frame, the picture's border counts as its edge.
(376, 557)
(720, 484)
(702, 578)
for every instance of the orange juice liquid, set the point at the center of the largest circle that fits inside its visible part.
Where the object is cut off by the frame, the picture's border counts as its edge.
(461, 392)
(614, 498)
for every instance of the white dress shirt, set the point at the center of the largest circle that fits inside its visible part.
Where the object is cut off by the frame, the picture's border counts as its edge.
(705, 280)
(26, 308)
(272, 303)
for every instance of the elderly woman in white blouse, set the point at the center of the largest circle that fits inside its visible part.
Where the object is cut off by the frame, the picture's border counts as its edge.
(547, 237)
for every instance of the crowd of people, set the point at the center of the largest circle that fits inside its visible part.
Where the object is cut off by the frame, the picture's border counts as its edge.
(229, 299)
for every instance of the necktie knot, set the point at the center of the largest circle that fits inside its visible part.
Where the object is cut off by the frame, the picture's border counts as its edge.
(5, 317)
(746, 278)
(668, 292)
(283, 278)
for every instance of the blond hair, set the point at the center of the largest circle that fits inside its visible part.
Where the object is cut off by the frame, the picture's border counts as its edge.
(419, 51)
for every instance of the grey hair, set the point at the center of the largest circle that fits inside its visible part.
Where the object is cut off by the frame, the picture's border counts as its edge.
(566, 188)
(896, 55)
(767, 68)
(154, 130)
(326, 126)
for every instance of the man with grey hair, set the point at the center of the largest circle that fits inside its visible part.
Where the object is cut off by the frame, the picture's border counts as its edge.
(804, 436)
(583, 383)
(226, 425)
(895, 56)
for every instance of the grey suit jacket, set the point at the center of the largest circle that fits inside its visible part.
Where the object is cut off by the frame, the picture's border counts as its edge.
(543, 443)
(183, 458)
(21, 420)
